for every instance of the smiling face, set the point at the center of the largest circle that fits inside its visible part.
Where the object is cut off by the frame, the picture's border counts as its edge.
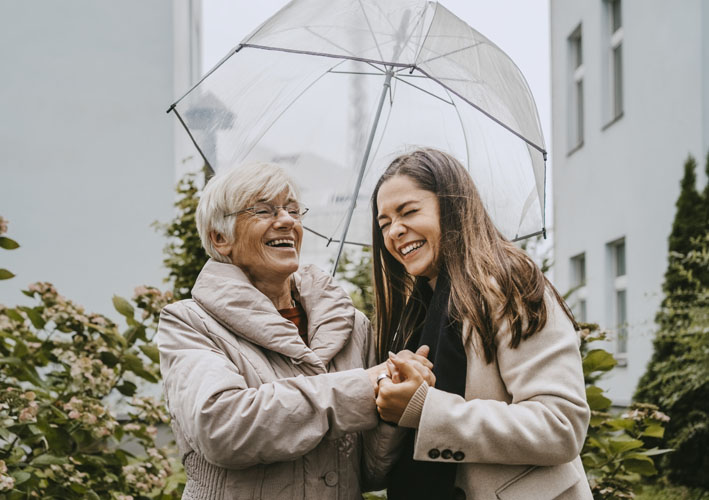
(266, 249)
(409, 220)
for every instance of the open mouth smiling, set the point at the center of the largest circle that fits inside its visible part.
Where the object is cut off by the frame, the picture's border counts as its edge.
(410, 247)
(281, 243)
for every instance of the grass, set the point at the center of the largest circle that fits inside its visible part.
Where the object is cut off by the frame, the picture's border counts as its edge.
(664, 491)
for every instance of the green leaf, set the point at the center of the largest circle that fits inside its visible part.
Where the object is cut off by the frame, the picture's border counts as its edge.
(657, 451)
(8, 244)
(49, 460)
(5, 274)
(78, 488)
(135, 364)
(11, 361)
(137, 331)
(109, 359)
(642, 467)
(654, 430)
(123, 307)
(151, 351)
(14, 315)
(596, 400)
(20, 476)
(598, 360)
(621, 423)
(622, 444)
(35, 317)
(20, 350)
(127, 388)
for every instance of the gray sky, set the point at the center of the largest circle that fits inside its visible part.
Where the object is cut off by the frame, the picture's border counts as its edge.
(519, 27)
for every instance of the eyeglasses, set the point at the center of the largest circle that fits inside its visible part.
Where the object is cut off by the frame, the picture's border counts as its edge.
(265, 211)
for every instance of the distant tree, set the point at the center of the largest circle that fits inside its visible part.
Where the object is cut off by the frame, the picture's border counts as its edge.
(184, 254)
(677, 376)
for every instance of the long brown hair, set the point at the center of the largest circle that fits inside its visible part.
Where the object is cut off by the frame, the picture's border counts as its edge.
(492, 281)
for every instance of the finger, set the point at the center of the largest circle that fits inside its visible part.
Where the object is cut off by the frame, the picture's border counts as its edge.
(406, 354)
(394, 372)
(423, 351)
(407, 370)
(427, 375)
(422, 360)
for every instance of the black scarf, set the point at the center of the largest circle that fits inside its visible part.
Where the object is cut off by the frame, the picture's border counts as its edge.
(412, 479)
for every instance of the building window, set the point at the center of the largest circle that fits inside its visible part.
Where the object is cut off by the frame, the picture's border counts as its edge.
(619, 305)
(614, 60)
(578, 286)
(576, 90)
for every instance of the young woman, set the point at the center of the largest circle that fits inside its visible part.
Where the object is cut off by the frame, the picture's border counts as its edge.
(508, 414)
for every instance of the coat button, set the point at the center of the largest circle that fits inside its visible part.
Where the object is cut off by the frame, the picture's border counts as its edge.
(434, 453)
(447, 454)
(458, 456)
(331, 478)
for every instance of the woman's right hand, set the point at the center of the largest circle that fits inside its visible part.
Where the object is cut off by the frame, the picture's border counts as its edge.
(393, 398)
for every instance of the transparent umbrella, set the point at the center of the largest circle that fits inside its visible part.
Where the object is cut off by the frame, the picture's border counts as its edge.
(333, 90)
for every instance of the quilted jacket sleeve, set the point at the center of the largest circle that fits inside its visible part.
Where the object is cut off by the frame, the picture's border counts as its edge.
(381, 445)
(544, 423)
(235, 426)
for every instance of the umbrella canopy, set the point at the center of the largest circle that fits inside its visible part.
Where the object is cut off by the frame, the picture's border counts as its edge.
(333, 90)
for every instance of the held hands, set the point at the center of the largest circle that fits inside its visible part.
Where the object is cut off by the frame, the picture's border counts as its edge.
(408, 371)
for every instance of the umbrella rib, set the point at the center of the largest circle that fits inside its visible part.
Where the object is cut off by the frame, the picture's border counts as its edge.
(354, 73)
(193, 140)
(450, 53)
(424, 90)
(331, 240)
(507, 127)
(543, 232)
(428, 32)
(333, 56)
(371, 31)
(462, 127)
(231, 53)
(318, 35)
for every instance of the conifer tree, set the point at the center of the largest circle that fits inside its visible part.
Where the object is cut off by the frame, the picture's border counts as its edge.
(689, 223)
(677, 376)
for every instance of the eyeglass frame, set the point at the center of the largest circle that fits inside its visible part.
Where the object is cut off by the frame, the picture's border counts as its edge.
(275, 209)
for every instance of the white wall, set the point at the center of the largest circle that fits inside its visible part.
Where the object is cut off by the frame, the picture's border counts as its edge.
(88, 152)
(624, 180)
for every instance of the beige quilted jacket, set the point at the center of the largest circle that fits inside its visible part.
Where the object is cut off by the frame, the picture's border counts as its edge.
(256, 413)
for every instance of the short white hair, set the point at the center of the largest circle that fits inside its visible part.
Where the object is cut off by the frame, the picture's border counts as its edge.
(235, 189)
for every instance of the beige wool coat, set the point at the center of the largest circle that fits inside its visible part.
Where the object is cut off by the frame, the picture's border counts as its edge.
(527, 410)
(257, 414)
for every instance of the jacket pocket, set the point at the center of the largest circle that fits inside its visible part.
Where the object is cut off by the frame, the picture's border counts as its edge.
(540, 483)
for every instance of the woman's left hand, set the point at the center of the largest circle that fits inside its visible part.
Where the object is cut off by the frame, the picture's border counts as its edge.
(393, 398)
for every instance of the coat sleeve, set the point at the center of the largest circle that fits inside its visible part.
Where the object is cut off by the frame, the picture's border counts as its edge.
(235, 426)
(544, 423)
(381, 445)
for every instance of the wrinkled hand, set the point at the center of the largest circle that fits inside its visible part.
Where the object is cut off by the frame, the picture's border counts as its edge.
(374, 372)
(393, 398)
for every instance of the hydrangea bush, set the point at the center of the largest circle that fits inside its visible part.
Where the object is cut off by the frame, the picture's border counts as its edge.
(76, 417)
(620, 447)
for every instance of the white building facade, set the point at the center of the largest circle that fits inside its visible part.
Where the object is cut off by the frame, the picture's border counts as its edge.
(89, 155)
(630, 102)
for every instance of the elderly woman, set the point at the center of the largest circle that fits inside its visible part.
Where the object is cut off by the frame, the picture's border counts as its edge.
(265, 367)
